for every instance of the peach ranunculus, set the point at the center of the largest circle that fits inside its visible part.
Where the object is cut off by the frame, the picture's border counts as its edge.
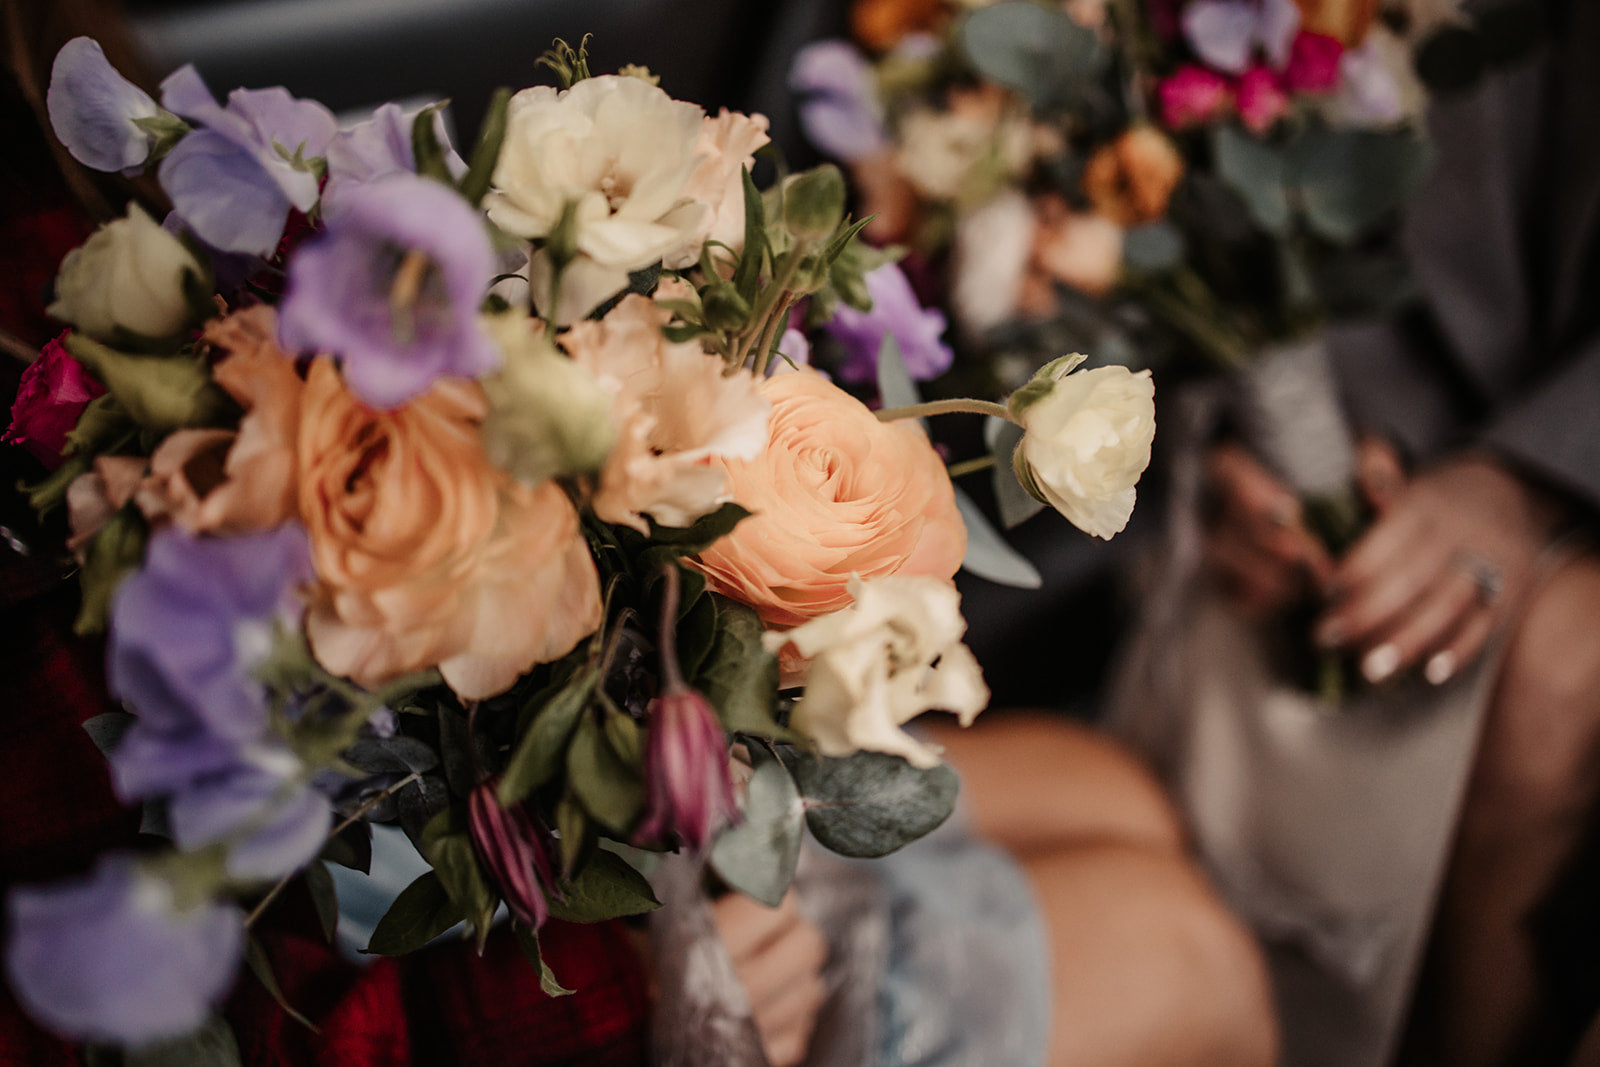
(677, 412)
(1082, 249)
(836, 494)
(1130, 180)
(426, 553)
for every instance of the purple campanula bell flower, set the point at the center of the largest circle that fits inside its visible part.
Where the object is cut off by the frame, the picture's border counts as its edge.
(895, 311)
(273, 821)
(515, 850)
(234, 180)
(113, 958)
(393, 288)
(92, 108)
(839, 106)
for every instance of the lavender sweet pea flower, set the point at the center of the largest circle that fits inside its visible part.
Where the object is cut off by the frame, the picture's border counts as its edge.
(1225, 33)
(895, 311)
(92, 109)
(111, 958)
(393, 287)
(231, 182)
(273, 822)
(188, 628)
(381, 146)
(839, 106)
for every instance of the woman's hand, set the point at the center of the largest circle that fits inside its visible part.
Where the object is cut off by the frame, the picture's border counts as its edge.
(1449, 554)
(1256, 538)
(778, 956)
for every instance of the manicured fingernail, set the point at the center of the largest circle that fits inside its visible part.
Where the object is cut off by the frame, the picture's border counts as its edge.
(1441, 668)
(1380, 663)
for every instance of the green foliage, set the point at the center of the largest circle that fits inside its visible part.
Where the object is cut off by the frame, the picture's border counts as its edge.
(491, 136)
(1036, 50)
(606, 888)
(871, 803)
(758, 856)
(213, 1045)
(255, 957)
(528, 941)
(111, 555)
(738, 676)
(421, 912)
(324, 897)
(539, 755)
(159, 393)
(610, 789)
(447, 845)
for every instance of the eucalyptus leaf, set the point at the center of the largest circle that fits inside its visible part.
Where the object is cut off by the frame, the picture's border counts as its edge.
(542, 750)
(1154, 247)
(988, 554)
(420, 801)
(1257, 172)
(399, 754)
(758, 856)
(611, 791)
(1034, 49)
(1350, 180)
(421, 912)
(1016, 504)
(213, 1045)
(739, 676)
(871, 803)
(895, 386)
(607, 888)
(528, 941)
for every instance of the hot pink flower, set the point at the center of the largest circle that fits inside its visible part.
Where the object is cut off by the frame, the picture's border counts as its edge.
(516, 850)
(1194, 95)
(52, 394)
(1262, 100)
(1313, 63)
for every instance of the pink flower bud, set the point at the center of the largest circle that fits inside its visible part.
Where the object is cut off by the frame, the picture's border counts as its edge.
(1262, 100)
(688, 793)
(515, 850)
(52, 394)
(1193, 95)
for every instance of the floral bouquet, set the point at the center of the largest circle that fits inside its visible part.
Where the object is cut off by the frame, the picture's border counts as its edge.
(488, 496)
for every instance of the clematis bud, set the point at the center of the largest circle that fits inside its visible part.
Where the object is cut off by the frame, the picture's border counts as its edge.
(516, 851)
(688, 792)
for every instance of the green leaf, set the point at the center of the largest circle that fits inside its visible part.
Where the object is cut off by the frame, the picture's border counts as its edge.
(160, 393)
(491, 135)
(1351, 180)
(611, 791)
(1256, 171)
(324, 897)
(740, 677)
(528, 941)
(1154, 247)
(1016, 504)
(213, 1045)
(447, 844)
(871, 803)
(747, 276)
(758, 856)
(607, 888)
(425, 147)
(577, 835)
(256, 958)
(113, 553)
(542, 751)
(1036, 50)
(697, 626)
(421, 912)
(107, 728)
(988, 554)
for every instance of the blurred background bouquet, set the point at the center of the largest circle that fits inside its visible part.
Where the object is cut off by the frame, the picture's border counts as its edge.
(490, 496)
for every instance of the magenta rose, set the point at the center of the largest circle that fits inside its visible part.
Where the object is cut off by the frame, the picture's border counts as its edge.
(1194, 95)
(52, 394)
(1313, 63)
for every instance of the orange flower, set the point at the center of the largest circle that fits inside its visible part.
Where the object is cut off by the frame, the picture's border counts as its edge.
(1348, 20)
(427, 554)
(1130, 180)
(1080, 249)
(879, 24)
(836, 493)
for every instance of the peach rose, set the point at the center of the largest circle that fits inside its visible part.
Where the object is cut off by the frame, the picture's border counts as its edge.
(1130, 180)
(426, 553)
(836, 493)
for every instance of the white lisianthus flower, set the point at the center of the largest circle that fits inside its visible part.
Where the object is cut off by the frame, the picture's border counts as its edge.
(878, 664)
(129, 274)
(618, 150)
(676, 413)
(1086, 442)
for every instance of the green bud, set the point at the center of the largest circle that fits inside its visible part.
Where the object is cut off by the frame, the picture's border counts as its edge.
(724, 308)
(160, 393)
(1044, 380)
(110, 555)
(813, 202)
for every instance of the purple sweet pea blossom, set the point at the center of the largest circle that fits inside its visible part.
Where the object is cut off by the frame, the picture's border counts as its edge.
(1226, 33)
(92, 108)
(895, 312)
(231, 182)
(380, 146)
(344, 289)
(274, 822)
(111, 958)
(688, 791)
(839, 106)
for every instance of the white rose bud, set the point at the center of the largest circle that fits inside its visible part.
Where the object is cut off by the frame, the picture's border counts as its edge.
(127, 277)
(1086, 442)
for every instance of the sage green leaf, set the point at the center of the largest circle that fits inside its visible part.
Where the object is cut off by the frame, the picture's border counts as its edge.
(1351, 180)
(1016, 504)
(871, 803)
(213, 1045)
(491, 136)
(895, 386)
(1256, 171)
(1034, 49)
(543, 748)
(610, 790)
(528, 941)
(607, 888)
(1154, 247)
(739, 676)
(577, 835)
(160, 393)
(988, 554)
(255, 957)
(107, 728)
(421, 912)
(324, 897)
(758, 856)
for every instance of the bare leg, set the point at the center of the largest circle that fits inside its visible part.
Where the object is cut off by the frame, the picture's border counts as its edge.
(1533, 789)
(1149, 969)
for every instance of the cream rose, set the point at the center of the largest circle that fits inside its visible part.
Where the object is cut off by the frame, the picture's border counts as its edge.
(835, 494)
(426, 553)
(879, 663)
(1086, 441)
(128, 275)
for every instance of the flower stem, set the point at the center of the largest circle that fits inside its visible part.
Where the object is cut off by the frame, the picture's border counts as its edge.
(947, 407)
(969, 466)
(671, 673)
